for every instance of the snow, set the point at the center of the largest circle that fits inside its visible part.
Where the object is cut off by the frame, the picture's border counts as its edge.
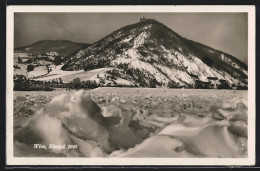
(230, 79)
(245, 71)
(147, 27)
(150, 69)
(128, 56)
(175, 75)
(132, 53)
(121, 81)
(203, 78)
(52, 53)
(182, 130)
(79, 54)
(137, 64)
(38, 71)
(82, 75)
(139, 40)
(57, 73)
(193, 64)
(121, 60)
(127, 39)
(22, 71)
(197, 67)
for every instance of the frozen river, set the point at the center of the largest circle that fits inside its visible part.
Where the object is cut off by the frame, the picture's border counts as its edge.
(132, 122)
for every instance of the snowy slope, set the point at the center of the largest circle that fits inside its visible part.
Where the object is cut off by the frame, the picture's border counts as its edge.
(152, 55)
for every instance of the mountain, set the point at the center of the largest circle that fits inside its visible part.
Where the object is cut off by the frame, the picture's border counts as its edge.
(61, 47)
(150, 54)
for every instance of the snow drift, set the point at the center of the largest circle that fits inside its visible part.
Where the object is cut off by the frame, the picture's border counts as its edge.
(110, 131)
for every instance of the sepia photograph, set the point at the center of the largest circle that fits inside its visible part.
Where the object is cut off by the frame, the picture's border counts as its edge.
(136, 85)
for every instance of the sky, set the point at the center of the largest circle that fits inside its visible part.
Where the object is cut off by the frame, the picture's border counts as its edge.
(227, 32)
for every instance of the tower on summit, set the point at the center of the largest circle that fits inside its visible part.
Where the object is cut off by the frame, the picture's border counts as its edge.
(142, 19)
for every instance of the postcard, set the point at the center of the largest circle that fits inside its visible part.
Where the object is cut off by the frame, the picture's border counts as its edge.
(130, 85)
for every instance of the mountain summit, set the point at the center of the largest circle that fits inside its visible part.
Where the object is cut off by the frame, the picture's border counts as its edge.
(150, 54)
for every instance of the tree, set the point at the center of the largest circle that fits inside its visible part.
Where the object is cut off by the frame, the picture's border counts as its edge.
(207, 61)
(17, 67)
(76, 83)
(30, 68)
(171, 84)
(48, 68)
(57, 60)
(60, 81)
(223, 85)
(202, 85)
(153, 82)
(91, 84)
(19, 60)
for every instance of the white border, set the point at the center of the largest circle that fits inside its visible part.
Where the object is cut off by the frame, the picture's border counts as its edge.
(131, 161)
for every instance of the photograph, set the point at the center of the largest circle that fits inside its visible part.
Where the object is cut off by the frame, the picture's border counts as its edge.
(130, 85)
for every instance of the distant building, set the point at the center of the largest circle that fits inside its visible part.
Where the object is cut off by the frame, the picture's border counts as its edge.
(202, 84)
(142, 19)
(51, 57)
(222, 80)
(52, 54)
(222, 57)
(194, 76)
(21, 55)
(212, 78)
(234, 87)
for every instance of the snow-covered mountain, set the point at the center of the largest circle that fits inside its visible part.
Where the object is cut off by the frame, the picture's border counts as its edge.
(149, 54)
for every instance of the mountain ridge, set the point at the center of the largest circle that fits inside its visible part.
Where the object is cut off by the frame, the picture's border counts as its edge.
(153, 21)
(62, 47)
(150, 54)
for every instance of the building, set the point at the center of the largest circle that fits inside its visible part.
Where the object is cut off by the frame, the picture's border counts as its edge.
(222, 80)
(194, 76)
(142, 19)
(202, 84)
(21, 55)
(212, 78)
(52, 54)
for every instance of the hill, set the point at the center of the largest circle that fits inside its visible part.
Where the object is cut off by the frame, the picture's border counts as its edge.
(149, 54)
(61, 47)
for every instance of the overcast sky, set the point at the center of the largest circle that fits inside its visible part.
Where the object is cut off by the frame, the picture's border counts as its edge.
(223, 31)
